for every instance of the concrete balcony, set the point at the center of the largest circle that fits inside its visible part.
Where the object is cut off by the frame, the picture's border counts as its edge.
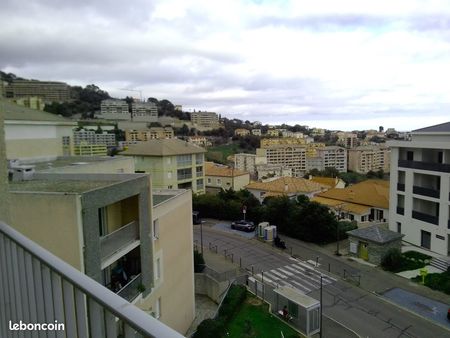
(124, 238)
(440, 167)
(425, 217)
(426, 192)
(181, 177)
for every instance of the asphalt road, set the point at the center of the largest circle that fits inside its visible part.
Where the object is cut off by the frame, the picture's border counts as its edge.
(364, 312)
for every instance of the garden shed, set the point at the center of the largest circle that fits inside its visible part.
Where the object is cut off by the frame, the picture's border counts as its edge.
(372, 243)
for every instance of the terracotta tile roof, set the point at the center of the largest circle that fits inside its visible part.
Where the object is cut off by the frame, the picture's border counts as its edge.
(329, 181)
(353, 208)
(374, 193)
(214, 169)
(288, 185)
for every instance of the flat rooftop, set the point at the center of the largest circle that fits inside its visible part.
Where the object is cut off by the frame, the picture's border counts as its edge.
(58, 186)
(67, 161)
(162, 195)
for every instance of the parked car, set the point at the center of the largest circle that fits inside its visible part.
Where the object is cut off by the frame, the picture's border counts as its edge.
(243, 226)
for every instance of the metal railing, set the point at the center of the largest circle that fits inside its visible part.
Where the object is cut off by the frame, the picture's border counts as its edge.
(118, 239)
(38, 287)
(425, 217)
(184, 177)
(441, 167)
(426, 191)
(132, 289)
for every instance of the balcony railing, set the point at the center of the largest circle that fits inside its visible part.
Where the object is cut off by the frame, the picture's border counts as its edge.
(118, 239)
(181, 177)
(441, 167)
(426, 192)
(400, 186)
(38, 287)
(400, 211)
(132, 289)
(425, 217)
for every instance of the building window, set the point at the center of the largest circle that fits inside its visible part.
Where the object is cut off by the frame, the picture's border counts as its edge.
(200, 184)
(199, 171)
(425, 239)
(399, 227)
(155, 229)
(219, 181)
(209, 181)
(158, 268)
(158, 312)
(184, 174)
(410, 155)
(184, 160)
(199, 159)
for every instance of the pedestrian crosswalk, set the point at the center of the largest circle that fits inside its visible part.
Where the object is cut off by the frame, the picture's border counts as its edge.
(298, 275)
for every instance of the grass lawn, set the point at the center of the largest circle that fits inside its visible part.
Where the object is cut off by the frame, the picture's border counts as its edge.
(254, 320)
(220, 153)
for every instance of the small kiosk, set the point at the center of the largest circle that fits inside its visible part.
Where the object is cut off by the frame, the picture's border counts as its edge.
(303, 310)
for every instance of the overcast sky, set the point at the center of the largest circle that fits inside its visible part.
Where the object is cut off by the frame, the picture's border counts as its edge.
(332, 64)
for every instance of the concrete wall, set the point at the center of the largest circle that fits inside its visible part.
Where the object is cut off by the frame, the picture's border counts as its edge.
(208, 286)
(174, 248)
(375, 251)
(119, 164)
(61, 233)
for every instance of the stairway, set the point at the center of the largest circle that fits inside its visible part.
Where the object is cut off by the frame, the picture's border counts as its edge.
(440, 263)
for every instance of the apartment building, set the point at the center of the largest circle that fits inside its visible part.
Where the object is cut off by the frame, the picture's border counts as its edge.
(144, 112)
(273, 133)
(32, 134)
(112, 109)
(200, 141)
(286, 155)
(366, 202)
(48, 91)
(150, 134)
(420, 185)
(267, 142)
(348, 140)
(92, 137)
(106, 226)
(241, 132)
(32, 102)
(245, 162)
(256, 132)
(265, 171)
(205, 119)
(363, 159)
(220, 177)
(328, 157)
(174, 164)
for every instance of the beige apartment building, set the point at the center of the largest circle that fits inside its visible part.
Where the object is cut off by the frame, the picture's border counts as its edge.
(205, 119)
(267, 142)
(150, 134)
(144, 112)
(286, 155)
(112, 109)
(220, 177)
(245, 162)
(368, 158)
(256, 132)
(113, 228)
(36, 135)
(174, 164)
(200, 141)
(48, 91)
(328, 157)
(241, 132)
(346, 139)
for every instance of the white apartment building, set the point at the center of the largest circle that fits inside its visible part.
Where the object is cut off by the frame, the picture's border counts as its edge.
(205, 119)
(114, 110)
(327, 157)
(91, 137)
(366, 158)
(144, 112)
(348, 140)
(287, 155)
(245, 162)
(419, 188)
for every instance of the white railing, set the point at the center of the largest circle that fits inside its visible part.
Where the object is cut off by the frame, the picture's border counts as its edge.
(37, 287)
(118, 239)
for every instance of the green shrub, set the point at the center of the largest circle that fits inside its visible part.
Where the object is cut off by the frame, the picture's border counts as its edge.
(235, 297)
(210, 328)
(392, 260)
(199, 262)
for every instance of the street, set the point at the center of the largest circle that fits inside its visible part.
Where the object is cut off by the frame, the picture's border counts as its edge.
(362, 311)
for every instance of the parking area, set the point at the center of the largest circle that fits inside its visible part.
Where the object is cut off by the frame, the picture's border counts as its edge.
(226, 226)
(423, 306)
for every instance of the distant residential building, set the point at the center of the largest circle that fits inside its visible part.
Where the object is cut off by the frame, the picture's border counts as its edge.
(420, 185)
(368, 158)
(178, 107)
(288, 133)
(267, 142)
(241, 132)
(286, 155)
(93, 138)
(317, 132)
(348, 140)
(173, 164)
(285, 186)
(266, 171)
(256, 132)
(48, 91)
(34, 134)
(200, 141)
(245, 162)
(273, 133)
(150, 134)
(366, 202)
(112, 109)
(144, 112)
(328, 157)
(32, 102)
(85, 149)
(220, 176)
(205, 119)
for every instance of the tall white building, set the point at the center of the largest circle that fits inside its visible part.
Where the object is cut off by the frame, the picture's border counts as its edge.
(91, 137)
(419, 189)
(112, 109)
(144, 111)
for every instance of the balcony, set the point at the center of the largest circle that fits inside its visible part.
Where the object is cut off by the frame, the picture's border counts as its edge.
(400, 186)
(132, 289)
(38, 287)
(119, 239)
(440, 167)
(181, 177)
(400, 211)
(426, 192)
(425, 217)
